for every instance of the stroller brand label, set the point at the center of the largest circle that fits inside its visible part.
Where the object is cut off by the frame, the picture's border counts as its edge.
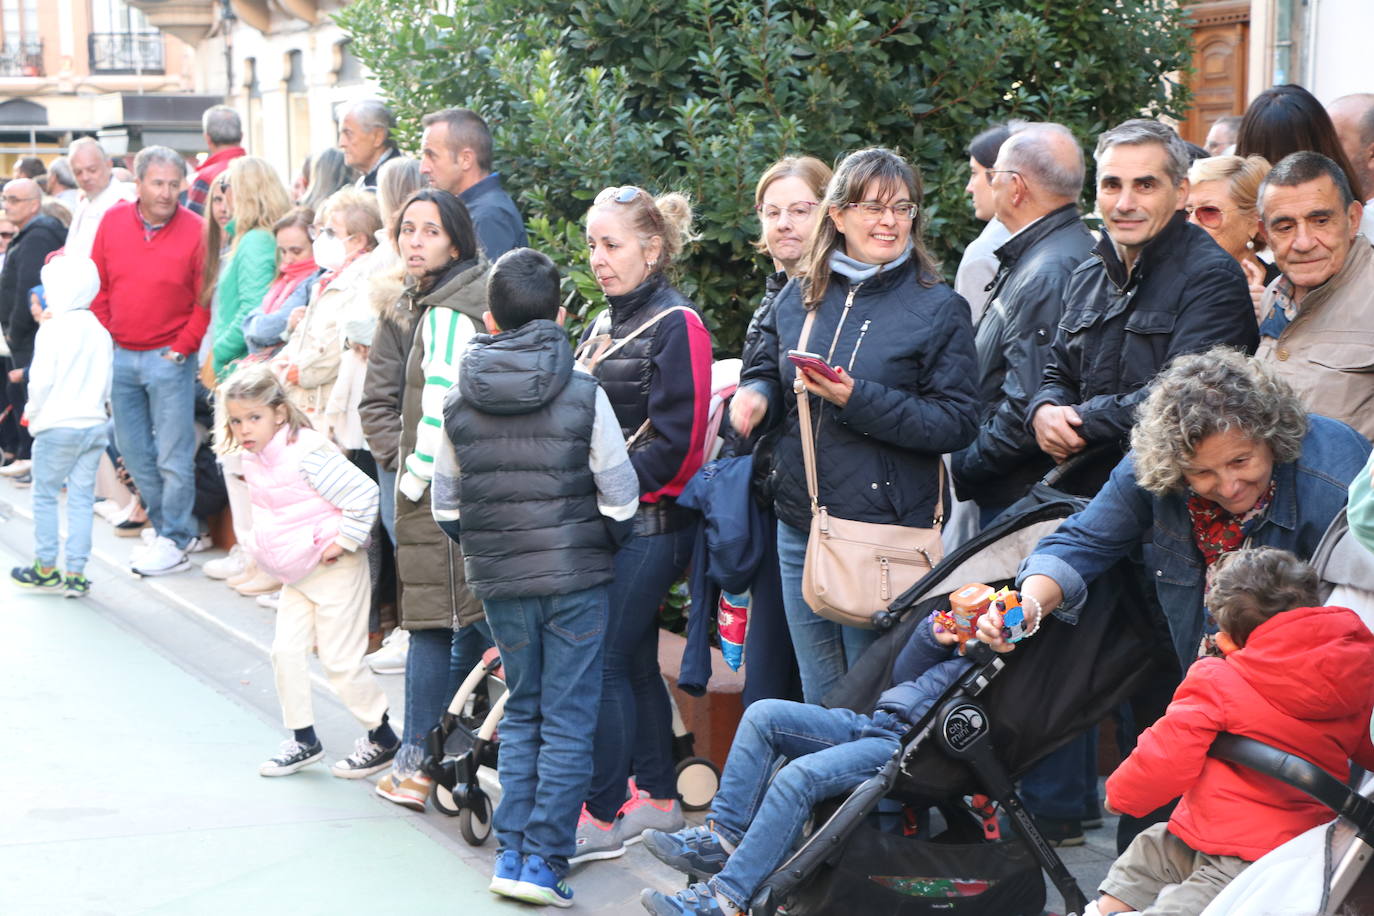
(964, 725)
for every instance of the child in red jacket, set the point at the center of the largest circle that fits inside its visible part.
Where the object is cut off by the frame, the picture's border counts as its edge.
(1296, 677)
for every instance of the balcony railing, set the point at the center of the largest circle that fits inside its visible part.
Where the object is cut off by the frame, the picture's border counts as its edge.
(21, 57)
(126, 52)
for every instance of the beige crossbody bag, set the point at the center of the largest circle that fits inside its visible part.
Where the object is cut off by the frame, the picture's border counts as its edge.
(854, 569)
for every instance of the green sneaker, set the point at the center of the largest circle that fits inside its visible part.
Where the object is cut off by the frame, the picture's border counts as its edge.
(76, 586)
(34, 577)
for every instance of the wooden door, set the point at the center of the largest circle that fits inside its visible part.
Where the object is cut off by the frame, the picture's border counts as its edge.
(1221, 39)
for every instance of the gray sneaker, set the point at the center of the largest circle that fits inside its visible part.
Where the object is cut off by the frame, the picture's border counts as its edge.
(596, 842)
(640, 814)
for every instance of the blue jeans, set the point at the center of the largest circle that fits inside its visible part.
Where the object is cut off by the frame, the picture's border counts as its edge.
(154, 412)
(70, 456)
(386, 491)
(822, 753)
(436, 663)
(551, 649)
(825, 649)
(634, 726)
(1063, 786)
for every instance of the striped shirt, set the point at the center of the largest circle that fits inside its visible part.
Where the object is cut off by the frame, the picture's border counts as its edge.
(445, 335)
(343, 484)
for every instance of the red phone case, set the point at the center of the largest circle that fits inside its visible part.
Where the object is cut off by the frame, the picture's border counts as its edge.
(816, 365)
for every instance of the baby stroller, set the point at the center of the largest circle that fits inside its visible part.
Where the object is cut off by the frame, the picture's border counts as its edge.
(999, 718)
(467, 739)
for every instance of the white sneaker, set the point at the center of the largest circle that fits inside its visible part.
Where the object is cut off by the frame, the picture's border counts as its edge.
(148, 535)
(159, 558)
(16, 468)
(270, 600)
(200, 544)
(391, 657)
(226, 566)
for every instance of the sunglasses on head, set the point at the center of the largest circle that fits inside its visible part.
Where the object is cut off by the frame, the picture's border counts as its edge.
(621, 195)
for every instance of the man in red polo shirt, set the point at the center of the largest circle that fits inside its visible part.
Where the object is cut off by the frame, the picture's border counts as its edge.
(151, 255)
(223, 134)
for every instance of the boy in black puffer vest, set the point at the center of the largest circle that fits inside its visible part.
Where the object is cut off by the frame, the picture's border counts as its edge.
(534, 477)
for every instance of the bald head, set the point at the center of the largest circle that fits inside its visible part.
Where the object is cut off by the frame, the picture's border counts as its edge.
(90, 166)
(1353, 116)
(1039, 169)
(23, 199)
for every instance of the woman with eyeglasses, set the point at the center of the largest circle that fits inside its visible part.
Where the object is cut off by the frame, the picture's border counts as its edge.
(652, 353)
(787, 201)
(901, 343)
(259, 200)
(1222, 199)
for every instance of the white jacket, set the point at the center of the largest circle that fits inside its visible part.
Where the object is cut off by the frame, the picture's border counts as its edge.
(69, 378)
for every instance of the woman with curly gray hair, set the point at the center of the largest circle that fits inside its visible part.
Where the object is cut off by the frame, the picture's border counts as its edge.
(1223, 456)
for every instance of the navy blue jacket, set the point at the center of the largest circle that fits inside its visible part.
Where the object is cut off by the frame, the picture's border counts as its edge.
(498, 224)
(910, 350)
(1309, 493)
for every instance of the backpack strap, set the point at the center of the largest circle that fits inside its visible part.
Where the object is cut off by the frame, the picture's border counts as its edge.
(599, 346)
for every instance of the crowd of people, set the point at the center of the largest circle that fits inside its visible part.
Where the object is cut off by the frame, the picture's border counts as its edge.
(369, 370)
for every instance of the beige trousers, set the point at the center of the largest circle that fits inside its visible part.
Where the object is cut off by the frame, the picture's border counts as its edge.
(328, 609)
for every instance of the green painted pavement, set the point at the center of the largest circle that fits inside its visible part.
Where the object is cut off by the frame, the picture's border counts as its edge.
(132, 787)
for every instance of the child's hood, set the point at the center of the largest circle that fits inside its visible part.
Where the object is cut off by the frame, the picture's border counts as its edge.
(516, 372)
(69, 283)
(1313, 663)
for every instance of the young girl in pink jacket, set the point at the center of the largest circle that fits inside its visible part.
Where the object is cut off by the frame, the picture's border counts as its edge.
(312, 511)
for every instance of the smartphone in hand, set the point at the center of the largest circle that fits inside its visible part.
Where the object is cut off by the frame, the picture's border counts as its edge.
(812, 362)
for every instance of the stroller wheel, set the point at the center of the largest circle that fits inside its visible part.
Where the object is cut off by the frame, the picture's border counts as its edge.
(444, 801)
(475, 820)
(697, 782)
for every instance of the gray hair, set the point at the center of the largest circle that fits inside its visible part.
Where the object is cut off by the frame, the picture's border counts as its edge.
(159, 155)
(1250, 586)
(372, 115)
(1036, 150)
(61, 171)
(1201, 394)
(466, 130)
(1302, 167)
(81, 143)
(1139, 131)
(222, 125)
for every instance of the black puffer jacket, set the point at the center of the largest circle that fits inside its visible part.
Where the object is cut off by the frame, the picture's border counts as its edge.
(520, 420)
(1184, 294)
(40, 237)
(910, 350)
(1013, 339)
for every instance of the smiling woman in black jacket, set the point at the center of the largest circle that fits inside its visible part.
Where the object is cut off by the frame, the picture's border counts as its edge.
(902, 344)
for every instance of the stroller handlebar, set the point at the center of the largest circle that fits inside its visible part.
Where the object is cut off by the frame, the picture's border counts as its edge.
(1301, 774)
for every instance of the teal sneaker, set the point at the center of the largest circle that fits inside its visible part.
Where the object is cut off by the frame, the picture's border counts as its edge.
(34, 577)
(539, 885)
(76, 586)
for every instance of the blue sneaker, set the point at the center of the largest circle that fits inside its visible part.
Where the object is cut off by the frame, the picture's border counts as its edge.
(34, 577)
(696, 851)
(508, 865)
(539, 885)
(697, 900)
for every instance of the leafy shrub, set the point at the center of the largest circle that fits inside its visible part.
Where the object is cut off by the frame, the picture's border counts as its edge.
(701, 95)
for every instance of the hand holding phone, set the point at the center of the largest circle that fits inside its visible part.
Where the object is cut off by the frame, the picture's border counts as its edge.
(812, 362)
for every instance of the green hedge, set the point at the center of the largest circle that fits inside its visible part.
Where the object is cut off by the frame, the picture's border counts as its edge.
(701, 95)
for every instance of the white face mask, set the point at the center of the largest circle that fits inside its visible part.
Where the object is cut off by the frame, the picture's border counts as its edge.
(329, 252)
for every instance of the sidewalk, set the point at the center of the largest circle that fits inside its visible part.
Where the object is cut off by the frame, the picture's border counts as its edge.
(161, 689)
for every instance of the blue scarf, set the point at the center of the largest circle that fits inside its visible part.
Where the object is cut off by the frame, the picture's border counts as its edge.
(859, 271)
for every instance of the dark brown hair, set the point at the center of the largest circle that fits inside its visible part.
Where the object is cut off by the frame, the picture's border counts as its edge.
(1286, 119)
(1252, 585)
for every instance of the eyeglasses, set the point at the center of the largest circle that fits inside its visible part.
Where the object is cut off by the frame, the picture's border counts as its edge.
(7, 235)
(11, 199)
(1209, 215)
(871, 210)
(988, 173)
(621, 195)
(798, 211)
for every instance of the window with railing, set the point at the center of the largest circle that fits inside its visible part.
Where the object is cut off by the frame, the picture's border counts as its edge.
(122, 40)
(21, 50)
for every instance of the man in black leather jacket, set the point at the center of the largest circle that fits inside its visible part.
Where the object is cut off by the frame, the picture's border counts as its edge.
(1035, 185)
(1155, 287)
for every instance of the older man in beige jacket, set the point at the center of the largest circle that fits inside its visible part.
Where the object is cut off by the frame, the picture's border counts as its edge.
(1318, 333)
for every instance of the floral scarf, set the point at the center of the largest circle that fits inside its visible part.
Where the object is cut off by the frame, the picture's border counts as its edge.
(1216, 533)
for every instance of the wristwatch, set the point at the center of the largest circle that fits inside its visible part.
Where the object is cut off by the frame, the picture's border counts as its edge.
(176, 357)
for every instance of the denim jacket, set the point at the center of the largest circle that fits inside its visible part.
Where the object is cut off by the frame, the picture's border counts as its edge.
(1309, 493)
